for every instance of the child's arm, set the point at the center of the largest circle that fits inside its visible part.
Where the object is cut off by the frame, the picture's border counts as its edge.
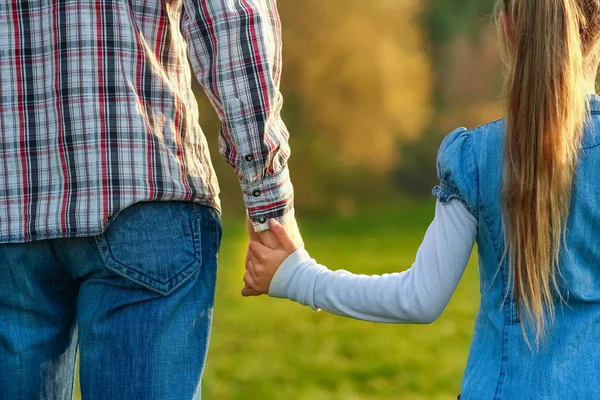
(418, 295)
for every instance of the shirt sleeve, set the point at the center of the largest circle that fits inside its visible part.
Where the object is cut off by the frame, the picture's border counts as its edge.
(457, 171)
(418, 295)
(235, 51)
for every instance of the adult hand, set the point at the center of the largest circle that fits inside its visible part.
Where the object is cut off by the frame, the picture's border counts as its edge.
(266, 252)
(268, 238)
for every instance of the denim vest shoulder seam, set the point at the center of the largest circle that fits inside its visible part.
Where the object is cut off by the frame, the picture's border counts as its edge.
(481, 211)
(472, 130)
(475, 168)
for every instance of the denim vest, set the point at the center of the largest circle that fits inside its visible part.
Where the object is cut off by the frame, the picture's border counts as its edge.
(501, 365)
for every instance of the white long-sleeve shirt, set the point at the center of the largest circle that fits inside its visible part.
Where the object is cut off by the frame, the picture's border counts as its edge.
(417, 295)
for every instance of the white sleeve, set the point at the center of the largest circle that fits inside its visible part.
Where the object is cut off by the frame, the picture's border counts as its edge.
(418, 295)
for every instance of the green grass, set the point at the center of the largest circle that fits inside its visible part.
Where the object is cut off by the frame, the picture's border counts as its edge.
(264, 348)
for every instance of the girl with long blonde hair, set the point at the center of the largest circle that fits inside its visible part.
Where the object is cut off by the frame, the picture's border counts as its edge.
(525, 188)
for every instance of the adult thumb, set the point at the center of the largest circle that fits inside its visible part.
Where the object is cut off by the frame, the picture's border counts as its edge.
(282, 236)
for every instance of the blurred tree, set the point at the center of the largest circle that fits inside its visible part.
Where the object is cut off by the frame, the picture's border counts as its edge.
(467, 85)
(362, 81)
(357, 82)
(447, 19)
(362, 74)
(370, 91)
(470, 87)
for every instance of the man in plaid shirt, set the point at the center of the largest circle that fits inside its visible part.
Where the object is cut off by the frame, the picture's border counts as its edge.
(109, 209)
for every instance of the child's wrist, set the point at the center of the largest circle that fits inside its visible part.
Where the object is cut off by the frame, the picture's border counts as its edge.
(283, 277)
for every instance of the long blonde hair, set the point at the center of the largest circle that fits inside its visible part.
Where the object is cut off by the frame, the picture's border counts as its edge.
(548, 54)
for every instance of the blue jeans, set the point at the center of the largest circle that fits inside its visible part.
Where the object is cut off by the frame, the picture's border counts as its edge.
(136, 300)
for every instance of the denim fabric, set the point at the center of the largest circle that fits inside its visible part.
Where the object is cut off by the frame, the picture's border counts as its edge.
(136, 300)
(501, 365)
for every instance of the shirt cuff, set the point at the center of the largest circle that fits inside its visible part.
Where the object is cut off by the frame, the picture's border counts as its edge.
(270, 198)
(296, 278)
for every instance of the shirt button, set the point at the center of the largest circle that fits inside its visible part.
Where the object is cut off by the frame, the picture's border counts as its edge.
(249, 157)
(256, 193)
(262, 220)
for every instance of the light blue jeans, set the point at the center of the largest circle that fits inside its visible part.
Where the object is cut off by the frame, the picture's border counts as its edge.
(137, 301)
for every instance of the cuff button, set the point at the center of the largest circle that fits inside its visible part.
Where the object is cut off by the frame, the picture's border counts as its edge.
(262, 220)
(256, 193)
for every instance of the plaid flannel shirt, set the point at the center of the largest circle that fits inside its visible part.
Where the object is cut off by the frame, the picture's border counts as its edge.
(97, 111)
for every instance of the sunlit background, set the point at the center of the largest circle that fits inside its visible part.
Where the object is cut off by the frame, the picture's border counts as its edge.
(370, 89)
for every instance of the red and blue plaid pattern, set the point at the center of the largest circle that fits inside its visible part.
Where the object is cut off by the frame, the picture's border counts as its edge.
(97, 112)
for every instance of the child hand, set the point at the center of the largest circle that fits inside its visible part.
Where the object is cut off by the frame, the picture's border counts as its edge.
(262, 262)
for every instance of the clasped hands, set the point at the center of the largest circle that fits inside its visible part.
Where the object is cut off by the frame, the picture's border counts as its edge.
(266, 252)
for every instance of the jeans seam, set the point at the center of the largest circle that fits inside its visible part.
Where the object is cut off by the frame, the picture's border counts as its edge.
(161, 292)
(197, 254)
(60, 264)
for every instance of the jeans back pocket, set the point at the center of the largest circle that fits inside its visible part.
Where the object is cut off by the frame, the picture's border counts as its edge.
(156, 244)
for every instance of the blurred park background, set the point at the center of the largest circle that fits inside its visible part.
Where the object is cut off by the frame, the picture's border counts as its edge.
(370, 89)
